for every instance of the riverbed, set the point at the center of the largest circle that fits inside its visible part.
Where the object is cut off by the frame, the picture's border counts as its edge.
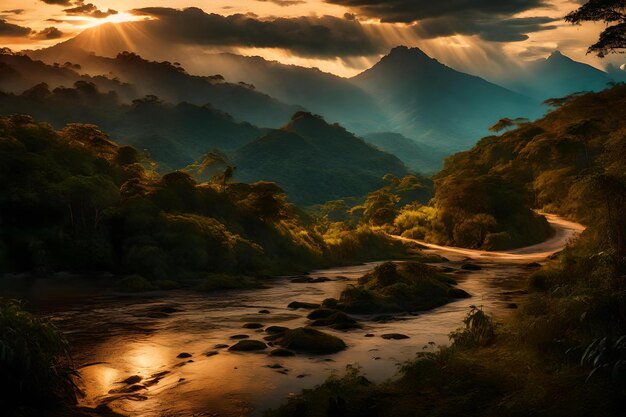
(115, 337)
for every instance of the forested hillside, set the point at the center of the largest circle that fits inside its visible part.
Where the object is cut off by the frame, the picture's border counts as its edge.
(570, 162)
(315, 161)
(73, 200)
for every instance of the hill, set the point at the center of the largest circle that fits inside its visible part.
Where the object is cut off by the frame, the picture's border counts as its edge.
(315, 161)
(73, 200)
(174, 135)
(416, 156)
(171, 82)
(571, 162)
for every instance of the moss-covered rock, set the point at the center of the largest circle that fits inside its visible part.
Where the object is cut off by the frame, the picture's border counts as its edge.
(134, 283)
(306, 339)
(391, 287)
(332, 318)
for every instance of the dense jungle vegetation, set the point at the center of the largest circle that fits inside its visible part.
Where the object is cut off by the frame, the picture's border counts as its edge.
(563, 352)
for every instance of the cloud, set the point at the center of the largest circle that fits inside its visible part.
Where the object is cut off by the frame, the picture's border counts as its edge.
(408, 11)
(76, 22)
(48, 33)
(284, 3)
(58, 2)
(88, 9)
(494, 30)
(322, 36)
(492, 20)
(14, 11)
(10, 30)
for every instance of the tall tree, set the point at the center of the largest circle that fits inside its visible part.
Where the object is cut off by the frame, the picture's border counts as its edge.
(612, 13)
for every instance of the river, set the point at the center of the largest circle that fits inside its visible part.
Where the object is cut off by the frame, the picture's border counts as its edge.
(115, 336)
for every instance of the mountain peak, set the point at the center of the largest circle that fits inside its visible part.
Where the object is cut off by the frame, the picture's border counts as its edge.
(557, 56)
(404, 52)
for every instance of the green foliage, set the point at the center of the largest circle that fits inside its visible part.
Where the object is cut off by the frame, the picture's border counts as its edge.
(74, 200)
(607, 356)
(314, 161)
(570, 162)
(35, 372)
(479, 329)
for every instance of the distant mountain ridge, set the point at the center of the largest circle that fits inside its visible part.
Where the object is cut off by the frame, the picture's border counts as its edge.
(556, 76)
(407, 92)
(437, 104)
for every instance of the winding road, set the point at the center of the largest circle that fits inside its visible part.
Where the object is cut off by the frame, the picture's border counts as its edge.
(564, 232)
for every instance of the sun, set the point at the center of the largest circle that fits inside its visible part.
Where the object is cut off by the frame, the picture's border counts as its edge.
(114, 18)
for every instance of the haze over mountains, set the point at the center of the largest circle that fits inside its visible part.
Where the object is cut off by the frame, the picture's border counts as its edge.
(556, 76)
(408, 105)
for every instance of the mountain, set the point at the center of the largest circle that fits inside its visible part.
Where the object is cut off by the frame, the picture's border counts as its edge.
(438, 105)
(556, 76)
(314, 161)
(172, 83)
(333, 97)
(173, 135)
(326, 94)
(20, 72)
(418, 157)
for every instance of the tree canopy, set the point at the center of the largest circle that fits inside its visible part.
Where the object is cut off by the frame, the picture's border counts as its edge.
(610, 12)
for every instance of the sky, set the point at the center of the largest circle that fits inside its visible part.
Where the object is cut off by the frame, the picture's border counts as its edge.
(483, 37)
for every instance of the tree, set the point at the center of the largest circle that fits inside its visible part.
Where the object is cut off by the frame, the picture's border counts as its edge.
(506, 123)
(613, 37)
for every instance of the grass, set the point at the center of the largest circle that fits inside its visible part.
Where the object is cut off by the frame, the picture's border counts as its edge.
(35, 371)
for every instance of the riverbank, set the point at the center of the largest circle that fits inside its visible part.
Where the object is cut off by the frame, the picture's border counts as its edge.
(115, 337)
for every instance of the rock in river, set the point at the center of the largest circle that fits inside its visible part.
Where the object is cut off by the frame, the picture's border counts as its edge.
(310, 340)
(394, 336)
(300, 304)
(248, 345)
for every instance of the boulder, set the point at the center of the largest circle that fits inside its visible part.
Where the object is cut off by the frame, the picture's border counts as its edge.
(281, 352)
(248, 345)
(394, 336)
(299, 304)
(307, 339)
(253, 326)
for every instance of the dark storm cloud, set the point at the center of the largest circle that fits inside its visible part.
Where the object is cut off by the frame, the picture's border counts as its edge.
(58, 2)
(407, 11)
(306, 36)
(48, 33)
(10, 30)
(492, 20)
(88, 9)
(495, 30)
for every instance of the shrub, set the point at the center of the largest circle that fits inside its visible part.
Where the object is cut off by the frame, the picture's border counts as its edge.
(35, 370)
(479, 329)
